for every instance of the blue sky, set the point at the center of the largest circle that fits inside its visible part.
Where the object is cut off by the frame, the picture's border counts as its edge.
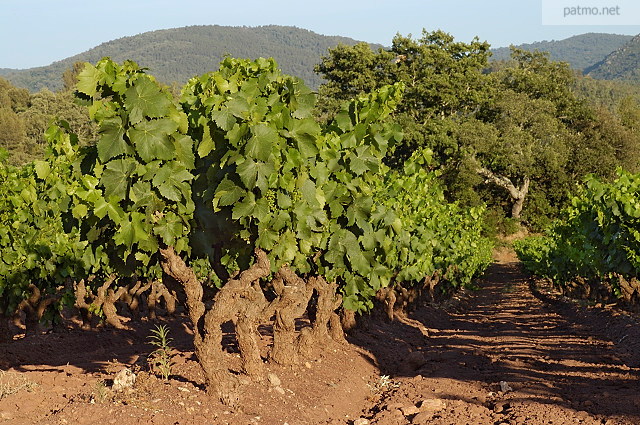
(38, 32)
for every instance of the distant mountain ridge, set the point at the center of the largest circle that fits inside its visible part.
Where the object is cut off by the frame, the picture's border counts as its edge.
(580, 51)
(622, 64)
(175, 55)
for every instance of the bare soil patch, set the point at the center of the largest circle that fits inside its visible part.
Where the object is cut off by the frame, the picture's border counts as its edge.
(513, 352)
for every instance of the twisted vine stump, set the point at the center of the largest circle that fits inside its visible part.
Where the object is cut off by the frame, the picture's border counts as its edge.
(34, 308)
(105, 298)
(238, 301)
(242, 301)
(293, 296)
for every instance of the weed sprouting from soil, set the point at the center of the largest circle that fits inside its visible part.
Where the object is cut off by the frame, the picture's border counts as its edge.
(13, 382)
(100, 392)
(383, 384)
(161, 359)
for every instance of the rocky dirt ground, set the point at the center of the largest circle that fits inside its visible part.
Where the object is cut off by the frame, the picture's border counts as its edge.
(513, 352)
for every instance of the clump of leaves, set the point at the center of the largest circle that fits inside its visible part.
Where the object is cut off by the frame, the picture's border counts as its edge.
(13, 382)
(161, 359)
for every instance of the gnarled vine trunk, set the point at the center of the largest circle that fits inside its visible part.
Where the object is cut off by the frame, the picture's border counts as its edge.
(292, 301)
(105, 298)
(133, 294)
(34, 308)
(242, 301)
(160, 291)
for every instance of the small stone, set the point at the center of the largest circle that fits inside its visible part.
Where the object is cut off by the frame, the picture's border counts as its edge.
(582, 415)
(361, 421)
(501, 407)
(422, 418)
(184, 390)
(432, 405)
(307, 365)
(274, 380)
(409, 410)
(504, 387)
(415, 360)
(394, 406)
(124, 379)
(588, 403)
(279, 390)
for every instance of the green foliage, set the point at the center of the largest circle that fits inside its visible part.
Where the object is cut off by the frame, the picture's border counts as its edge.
(434, 235)
(13, 136)
(311, 196)
(46, 107)
(278, 181)
(443, 78)
(38, 242)
(241, 163)
(25, 117)
(597, 236)
(15, 98)
(516, 134)
(136, 188)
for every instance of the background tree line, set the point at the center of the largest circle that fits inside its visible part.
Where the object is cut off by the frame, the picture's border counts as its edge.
(25, 116)
(518, 135)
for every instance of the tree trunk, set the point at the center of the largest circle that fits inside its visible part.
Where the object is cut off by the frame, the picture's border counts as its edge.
(240, 301)
(517, 194)
(320, 334)
(84, 307)
(107, 297)
(34, 308)
(293, 298)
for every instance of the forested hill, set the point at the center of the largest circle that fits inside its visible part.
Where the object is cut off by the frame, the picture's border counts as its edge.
(622, 64)
(180, 53)
(580, 51)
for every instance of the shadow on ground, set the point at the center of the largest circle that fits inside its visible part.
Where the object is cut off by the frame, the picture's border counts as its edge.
(549, 351)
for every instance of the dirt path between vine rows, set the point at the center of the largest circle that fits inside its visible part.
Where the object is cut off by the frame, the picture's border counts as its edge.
(558, 362)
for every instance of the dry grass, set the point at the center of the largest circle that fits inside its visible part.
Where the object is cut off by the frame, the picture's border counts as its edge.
(13, 382)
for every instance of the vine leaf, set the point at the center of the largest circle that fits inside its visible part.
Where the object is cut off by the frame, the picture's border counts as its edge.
(131, 231)
(224, 119)
(116, 177)
(255, 173)
(88, 80)
(111, 142)
(306, 132)
(264, 139)
(169, 228)
(245, 207)
(170, 180)
(145, 99)
(152, 141)
(227, 193)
